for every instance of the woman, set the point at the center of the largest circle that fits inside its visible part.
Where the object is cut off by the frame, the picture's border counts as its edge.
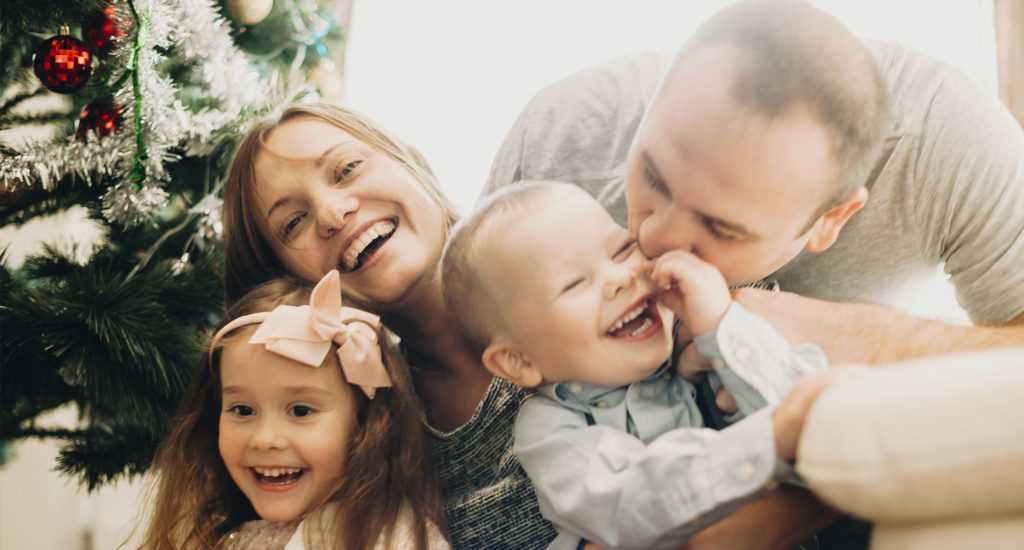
(321, 187)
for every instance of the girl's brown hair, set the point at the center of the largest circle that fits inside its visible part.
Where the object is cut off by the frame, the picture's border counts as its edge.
(249, 259)
(388, 465)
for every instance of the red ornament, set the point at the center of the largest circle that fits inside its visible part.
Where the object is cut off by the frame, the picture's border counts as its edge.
(101, 116)
(63, 63)
(101, 30)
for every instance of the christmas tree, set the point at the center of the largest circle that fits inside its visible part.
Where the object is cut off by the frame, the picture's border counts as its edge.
(155, 95)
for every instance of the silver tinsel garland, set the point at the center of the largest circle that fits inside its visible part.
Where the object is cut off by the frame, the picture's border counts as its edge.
(190, 28)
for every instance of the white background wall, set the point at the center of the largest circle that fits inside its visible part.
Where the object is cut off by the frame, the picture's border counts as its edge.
(450, 76)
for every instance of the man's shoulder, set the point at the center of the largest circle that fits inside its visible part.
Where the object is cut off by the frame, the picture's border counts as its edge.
(582, 110)
(578, 129)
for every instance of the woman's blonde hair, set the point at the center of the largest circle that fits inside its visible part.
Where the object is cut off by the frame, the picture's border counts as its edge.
(197, 504)
(249, 259)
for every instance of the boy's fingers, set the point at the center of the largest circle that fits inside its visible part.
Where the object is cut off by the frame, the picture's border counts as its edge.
(691, 364)
(726, 402)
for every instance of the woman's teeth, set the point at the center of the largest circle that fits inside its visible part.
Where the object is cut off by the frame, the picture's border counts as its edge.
(350, 259)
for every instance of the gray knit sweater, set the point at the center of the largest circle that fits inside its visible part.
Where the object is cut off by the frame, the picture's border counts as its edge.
(488, 499)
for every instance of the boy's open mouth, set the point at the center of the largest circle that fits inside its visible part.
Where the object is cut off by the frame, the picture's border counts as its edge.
(363, 246)
(635, 321)
(277, 476)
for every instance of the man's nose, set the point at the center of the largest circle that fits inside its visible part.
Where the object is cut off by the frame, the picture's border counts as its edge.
(655, 239)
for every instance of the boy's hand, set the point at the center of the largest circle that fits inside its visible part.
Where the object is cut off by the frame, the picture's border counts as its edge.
(691, 365)
(789, 417)
(692, 288)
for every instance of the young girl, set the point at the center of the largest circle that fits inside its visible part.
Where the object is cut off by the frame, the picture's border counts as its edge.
(300, 428)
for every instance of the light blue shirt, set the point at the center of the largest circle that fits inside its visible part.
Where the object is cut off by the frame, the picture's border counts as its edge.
(645, 473)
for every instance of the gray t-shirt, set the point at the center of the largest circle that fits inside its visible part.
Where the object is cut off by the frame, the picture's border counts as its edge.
(948, 191)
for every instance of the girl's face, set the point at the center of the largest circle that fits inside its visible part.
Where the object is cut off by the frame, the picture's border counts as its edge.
(284, 427)
(325, 200)
(573, 285)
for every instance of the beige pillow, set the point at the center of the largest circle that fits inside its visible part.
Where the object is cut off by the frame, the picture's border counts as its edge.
(996, 533)
(933, 438)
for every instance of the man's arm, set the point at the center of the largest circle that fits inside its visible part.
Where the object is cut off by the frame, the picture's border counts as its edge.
(781, 520)
(868, 333)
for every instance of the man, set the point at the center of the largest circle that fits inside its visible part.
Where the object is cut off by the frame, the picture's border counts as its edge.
(738, 159)
(778, 145)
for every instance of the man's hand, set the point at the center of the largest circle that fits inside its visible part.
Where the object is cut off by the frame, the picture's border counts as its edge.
(789, 417)
(783, 519)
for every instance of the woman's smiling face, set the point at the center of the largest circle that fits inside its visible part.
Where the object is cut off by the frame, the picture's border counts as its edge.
(326, 200)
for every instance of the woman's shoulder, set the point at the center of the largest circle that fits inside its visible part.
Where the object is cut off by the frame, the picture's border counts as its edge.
(501, 398)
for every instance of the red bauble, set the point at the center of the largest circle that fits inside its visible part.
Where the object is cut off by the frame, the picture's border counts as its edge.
(101, 116)
(63, 63)
(101, 30)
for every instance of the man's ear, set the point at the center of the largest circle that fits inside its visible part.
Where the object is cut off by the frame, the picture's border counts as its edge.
(826, 229)
(504, 361)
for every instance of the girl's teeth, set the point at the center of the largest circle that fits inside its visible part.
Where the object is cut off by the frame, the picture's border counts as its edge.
(276, 472)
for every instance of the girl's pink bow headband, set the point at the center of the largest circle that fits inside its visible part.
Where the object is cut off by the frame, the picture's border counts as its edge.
(305, 334)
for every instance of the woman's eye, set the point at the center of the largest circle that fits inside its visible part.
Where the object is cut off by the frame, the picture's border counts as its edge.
(344, 169)
(301, 410)
(292, 224)
(242, 410)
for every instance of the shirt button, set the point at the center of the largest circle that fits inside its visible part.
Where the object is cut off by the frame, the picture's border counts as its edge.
(745, 472)
(602, 404)
(575, 387)
(717, 362)
(667, 376)
(742, 353)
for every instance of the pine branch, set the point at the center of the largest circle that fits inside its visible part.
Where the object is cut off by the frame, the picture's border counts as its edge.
(33, 202)
(121, 349)
(43, 16)
(16, 100)
(48, 117)
(102, 455)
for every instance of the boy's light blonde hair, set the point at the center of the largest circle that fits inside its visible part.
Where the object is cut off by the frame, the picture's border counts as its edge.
(476, 306)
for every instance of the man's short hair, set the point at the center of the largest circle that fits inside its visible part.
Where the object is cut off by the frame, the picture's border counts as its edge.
(794, 55)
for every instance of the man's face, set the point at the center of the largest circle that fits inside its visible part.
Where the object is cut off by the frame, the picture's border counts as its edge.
(709, 177)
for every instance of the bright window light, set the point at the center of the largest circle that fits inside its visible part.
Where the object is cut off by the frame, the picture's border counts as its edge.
(450, 76)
